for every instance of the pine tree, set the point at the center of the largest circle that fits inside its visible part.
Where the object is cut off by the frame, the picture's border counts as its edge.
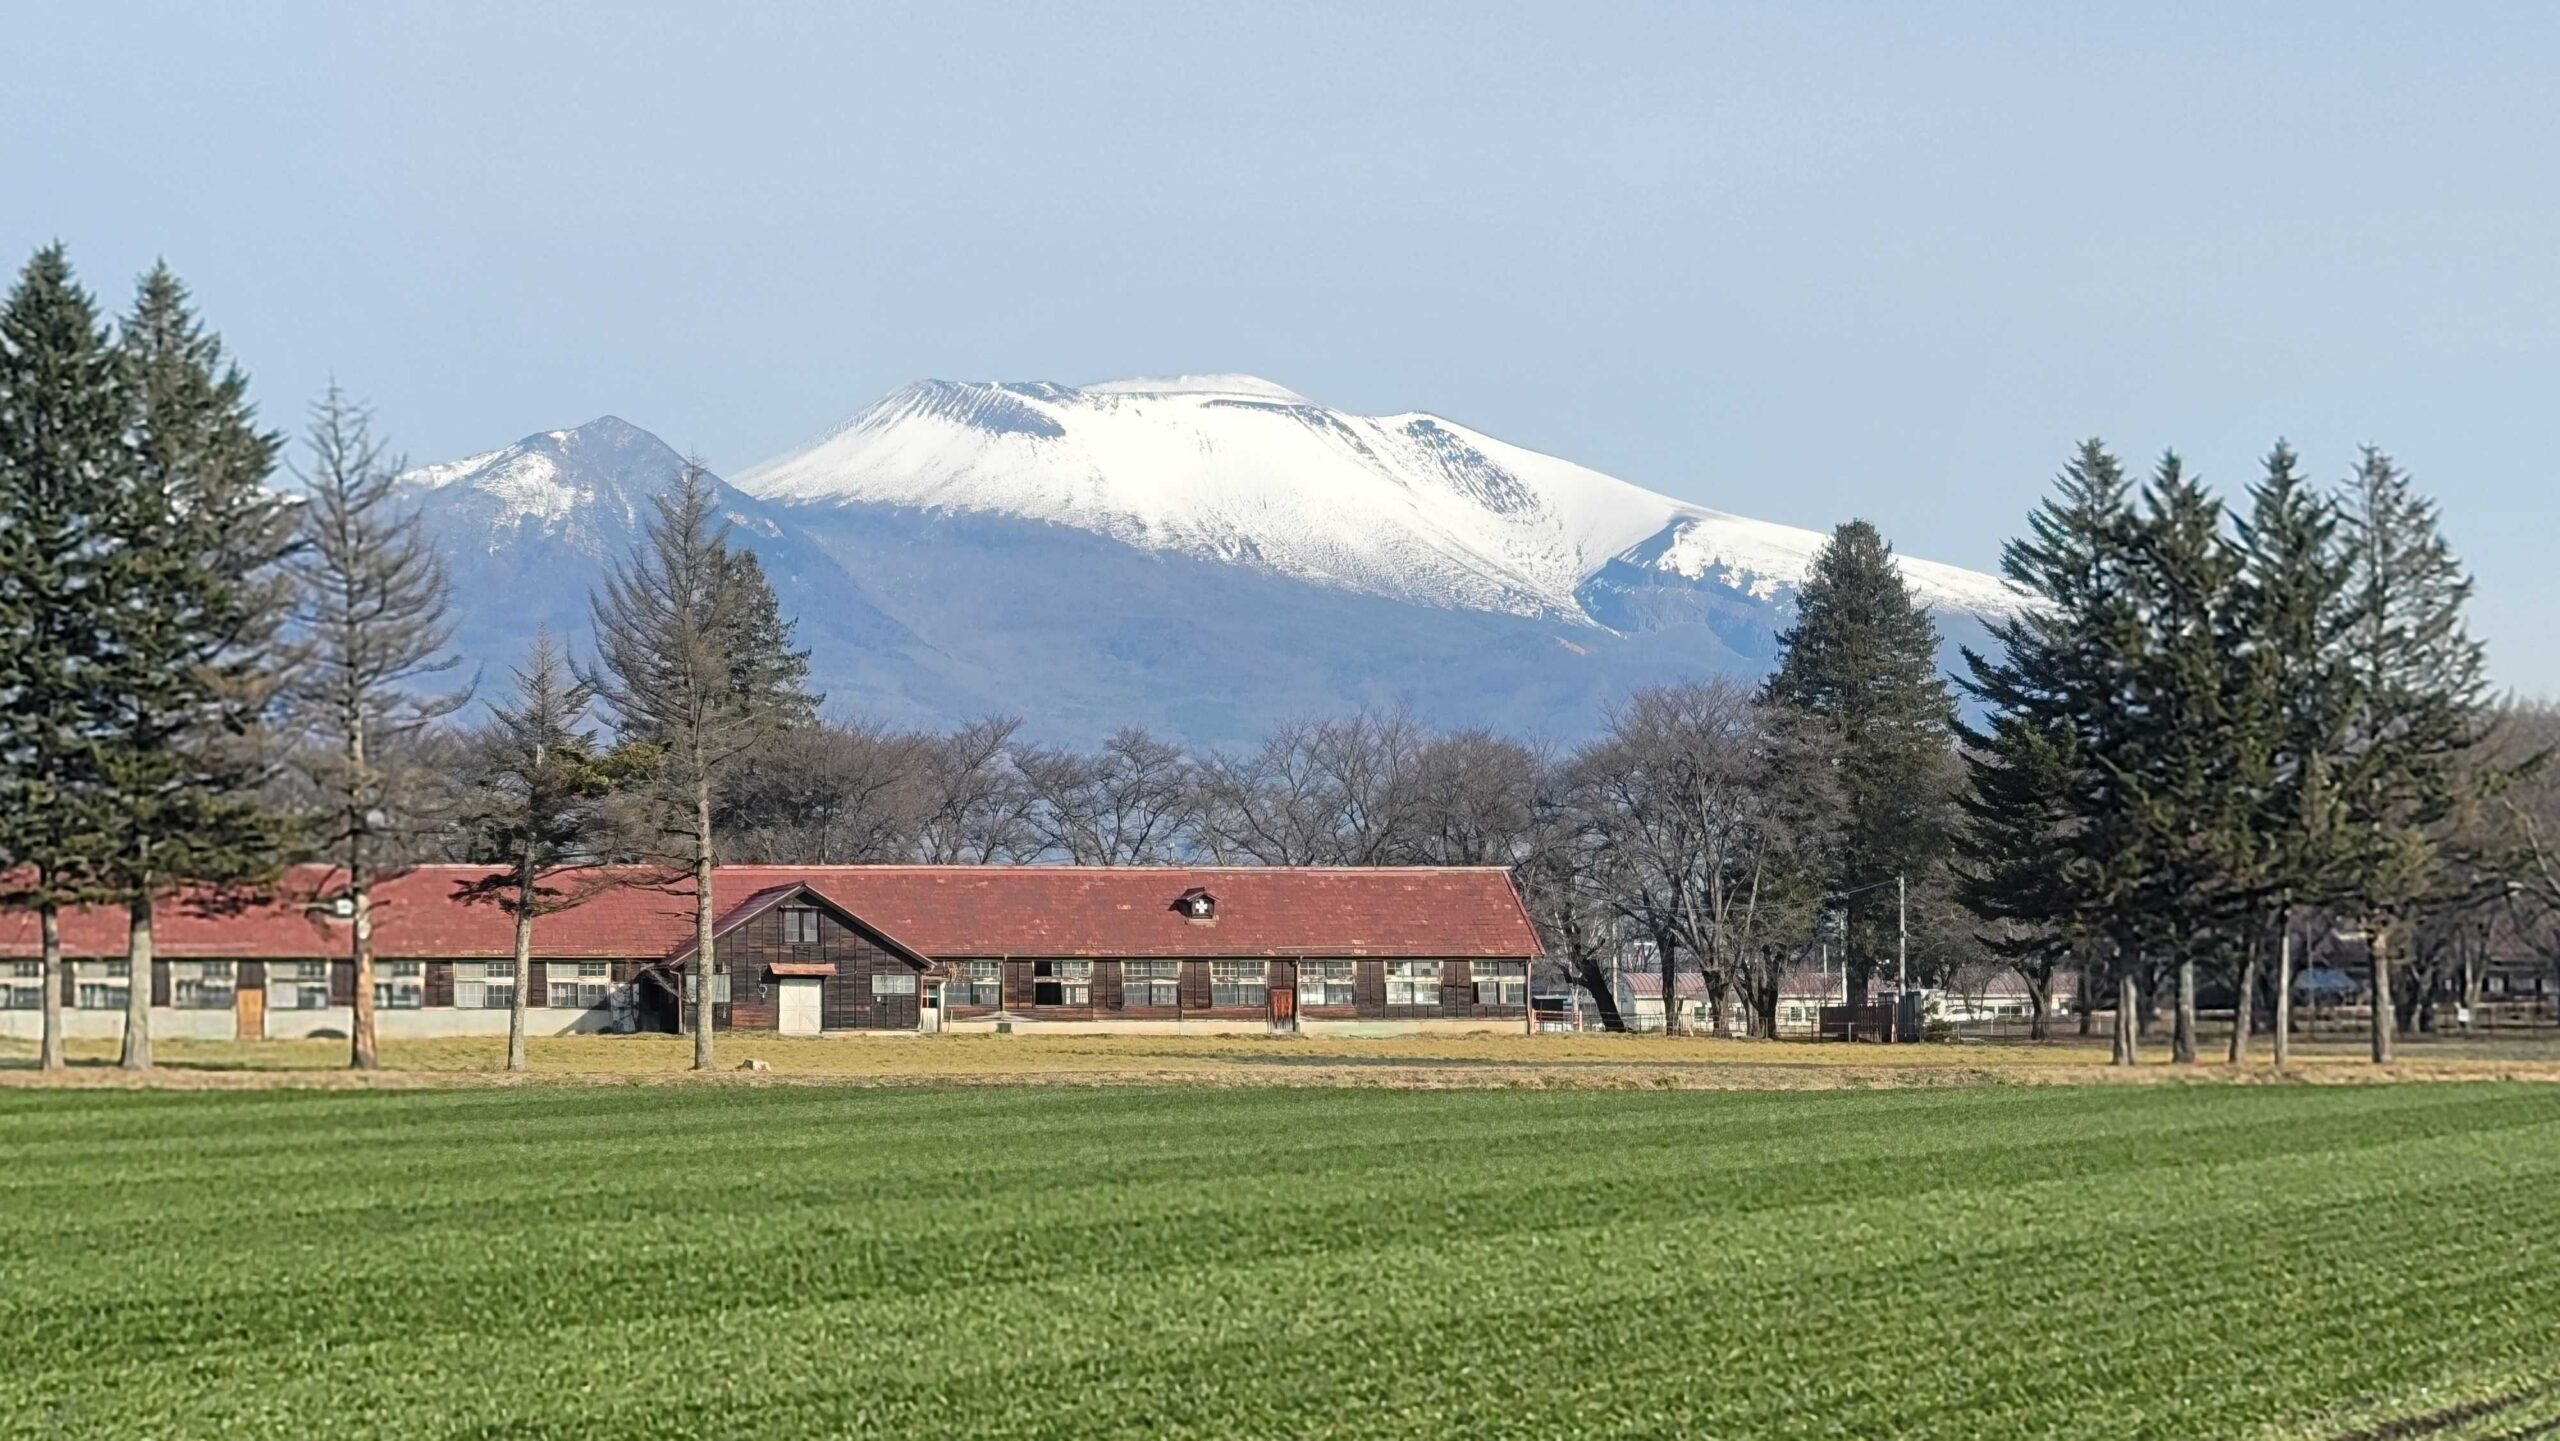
(1862, 660)
(369, 613)
(2048, 840)
(540, 794)
(2193, 749)
(2415, 699)
(60, 455)
(192, 666)
(2292, 614)
(697, 667)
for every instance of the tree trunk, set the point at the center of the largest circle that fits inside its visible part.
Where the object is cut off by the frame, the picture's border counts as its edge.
(2087, 998)
(2244, 1011)
(1594, 978)
(2128, 1045)
(1669, 960)
(2470, 989)
(49, 964)
(137, 984)
(364, 1050)
(2182, 1040)
(2039, 1000)
(2284, 996)
(2385, 1014)
(702, 959)
(524, 962)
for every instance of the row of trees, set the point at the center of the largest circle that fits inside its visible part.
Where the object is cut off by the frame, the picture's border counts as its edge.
(217, 678)
(2199, 736)
(2203, 729)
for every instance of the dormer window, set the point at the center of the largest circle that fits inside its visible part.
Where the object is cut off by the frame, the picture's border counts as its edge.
(1196, 904)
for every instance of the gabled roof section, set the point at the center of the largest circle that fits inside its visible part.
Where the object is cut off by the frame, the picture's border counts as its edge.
(801, 893)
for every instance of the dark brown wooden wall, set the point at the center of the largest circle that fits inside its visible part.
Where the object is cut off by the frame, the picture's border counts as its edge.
(748, 953)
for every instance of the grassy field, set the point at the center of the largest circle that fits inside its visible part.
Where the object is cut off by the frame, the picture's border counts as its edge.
(1062, 1261)
(1498, 1059)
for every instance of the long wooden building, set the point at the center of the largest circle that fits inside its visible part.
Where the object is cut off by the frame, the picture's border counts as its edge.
(810, 950)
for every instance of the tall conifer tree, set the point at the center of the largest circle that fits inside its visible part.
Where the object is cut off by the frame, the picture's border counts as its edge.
(1862, 660)
(2291, 600)
(698, 668)
(538, 808)
(2048, 840)
(2417, 694)
(192, 667)
(369, 613)
(61, 434)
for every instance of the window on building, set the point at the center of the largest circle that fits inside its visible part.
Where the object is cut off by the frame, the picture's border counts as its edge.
(1413, 983)
(99, 985)
(201, 985)
(893, 983)
(484, 985)
(1062, 983)
(22, 986)
(1324, 983)
(399, 985)
(719, 988)
(1501, 983)
(297, 985)
(1239, 983)
(977, 983)
(1151, 983)
(799, 925)
(580, 987)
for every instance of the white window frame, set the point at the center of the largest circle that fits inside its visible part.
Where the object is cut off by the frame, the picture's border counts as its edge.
(1328, 983)
(796, 919)
(976, 983)
(1238, 985)
(1155, 985)
(1500, 983)
(885, 984)
(1072, 981)
(1414, 985)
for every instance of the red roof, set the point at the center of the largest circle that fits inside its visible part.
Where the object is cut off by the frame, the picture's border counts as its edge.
(939, 911)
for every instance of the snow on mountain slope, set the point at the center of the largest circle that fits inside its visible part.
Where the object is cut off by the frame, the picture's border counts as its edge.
(527, 531)
(1409, 507)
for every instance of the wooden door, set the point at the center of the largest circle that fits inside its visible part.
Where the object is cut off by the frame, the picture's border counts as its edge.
(1284, 1007)
(802, 1006)
(249, 1013)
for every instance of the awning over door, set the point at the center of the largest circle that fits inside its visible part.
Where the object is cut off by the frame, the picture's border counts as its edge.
(803, 968)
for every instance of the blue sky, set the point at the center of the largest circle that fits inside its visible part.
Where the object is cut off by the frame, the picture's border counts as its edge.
(1797, 261)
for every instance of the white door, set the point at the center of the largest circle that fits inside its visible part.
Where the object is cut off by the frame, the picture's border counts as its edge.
(800, 1006)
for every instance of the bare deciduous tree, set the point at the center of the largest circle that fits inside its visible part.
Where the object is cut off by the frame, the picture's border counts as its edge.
(369, 620)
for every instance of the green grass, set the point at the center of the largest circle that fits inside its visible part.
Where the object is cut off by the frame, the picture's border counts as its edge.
(801, 1261)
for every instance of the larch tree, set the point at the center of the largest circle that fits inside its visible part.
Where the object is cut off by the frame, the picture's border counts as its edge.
(193, 671)
(539, 805)
(697, 667)
(2417, 696)
(60, 454)
(1862, 659)
(369, 617)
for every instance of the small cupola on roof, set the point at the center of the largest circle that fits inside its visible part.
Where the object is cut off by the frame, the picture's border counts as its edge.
(1196, 904)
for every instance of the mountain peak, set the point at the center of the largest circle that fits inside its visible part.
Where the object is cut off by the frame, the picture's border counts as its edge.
(1239, 470)
(1239, 387)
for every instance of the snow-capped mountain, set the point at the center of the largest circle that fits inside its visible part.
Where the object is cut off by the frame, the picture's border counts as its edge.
(1235, 469)
(1204, 556)
(528, 530)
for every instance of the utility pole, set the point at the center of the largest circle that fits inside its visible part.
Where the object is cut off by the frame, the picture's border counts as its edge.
(1902, 937)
